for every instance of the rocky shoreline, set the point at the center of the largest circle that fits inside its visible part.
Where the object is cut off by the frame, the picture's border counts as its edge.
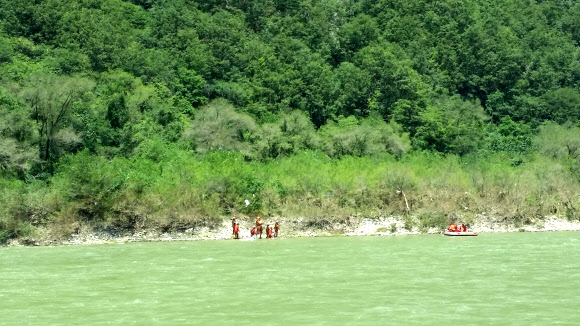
(289, 228)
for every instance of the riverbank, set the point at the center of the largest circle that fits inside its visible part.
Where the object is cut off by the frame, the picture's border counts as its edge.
(297, 227)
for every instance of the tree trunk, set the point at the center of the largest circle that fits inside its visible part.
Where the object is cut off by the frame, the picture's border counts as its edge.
(47, 150)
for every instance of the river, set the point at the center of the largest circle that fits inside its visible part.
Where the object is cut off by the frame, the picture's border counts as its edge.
(498, 279)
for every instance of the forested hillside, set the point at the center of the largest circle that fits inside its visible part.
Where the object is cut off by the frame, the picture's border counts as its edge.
(168, 114)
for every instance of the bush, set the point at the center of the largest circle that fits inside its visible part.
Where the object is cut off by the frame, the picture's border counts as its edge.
(433, 220)
(90, 183)
(5, 235)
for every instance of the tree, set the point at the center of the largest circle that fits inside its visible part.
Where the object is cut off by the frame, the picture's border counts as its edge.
(392, 79)
(13, 156)
(16, 135)
(351, 90)
(558, 141)
(217, 126)
(358, 33)
(51, 99)
(189, 85)
(6, 49)
(562, 105)
(368, 136)
(451, 125)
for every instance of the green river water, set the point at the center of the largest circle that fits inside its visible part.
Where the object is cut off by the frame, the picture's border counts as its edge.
(492, 279)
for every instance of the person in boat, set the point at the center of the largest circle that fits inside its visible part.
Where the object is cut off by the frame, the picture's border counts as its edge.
(233, 225)
(237, 231)
(463, 228)
(276, 228)
(452, 228)
(253, 232)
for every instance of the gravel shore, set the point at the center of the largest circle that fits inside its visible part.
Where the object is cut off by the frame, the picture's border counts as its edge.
(355, 226)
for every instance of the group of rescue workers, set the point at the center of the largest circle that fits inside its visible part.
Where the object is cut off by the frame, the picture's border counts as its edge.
(272, 232)
(256, 231)
(457, 228)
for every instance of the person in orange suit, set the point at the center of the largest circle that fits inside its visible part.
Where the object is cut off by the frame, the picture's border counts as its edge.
(452, 228)
(259, 227)
(237, 231)
(270, 231)
(253, 232)
(463, 228)
(276, 228)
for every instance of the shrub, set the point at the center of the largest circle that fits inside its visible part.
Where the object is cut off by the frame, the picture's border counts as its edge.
(433, 220)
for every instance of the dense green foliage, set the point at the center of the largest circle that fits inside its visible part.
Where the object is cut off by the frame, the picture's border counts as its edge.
(169, 113)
